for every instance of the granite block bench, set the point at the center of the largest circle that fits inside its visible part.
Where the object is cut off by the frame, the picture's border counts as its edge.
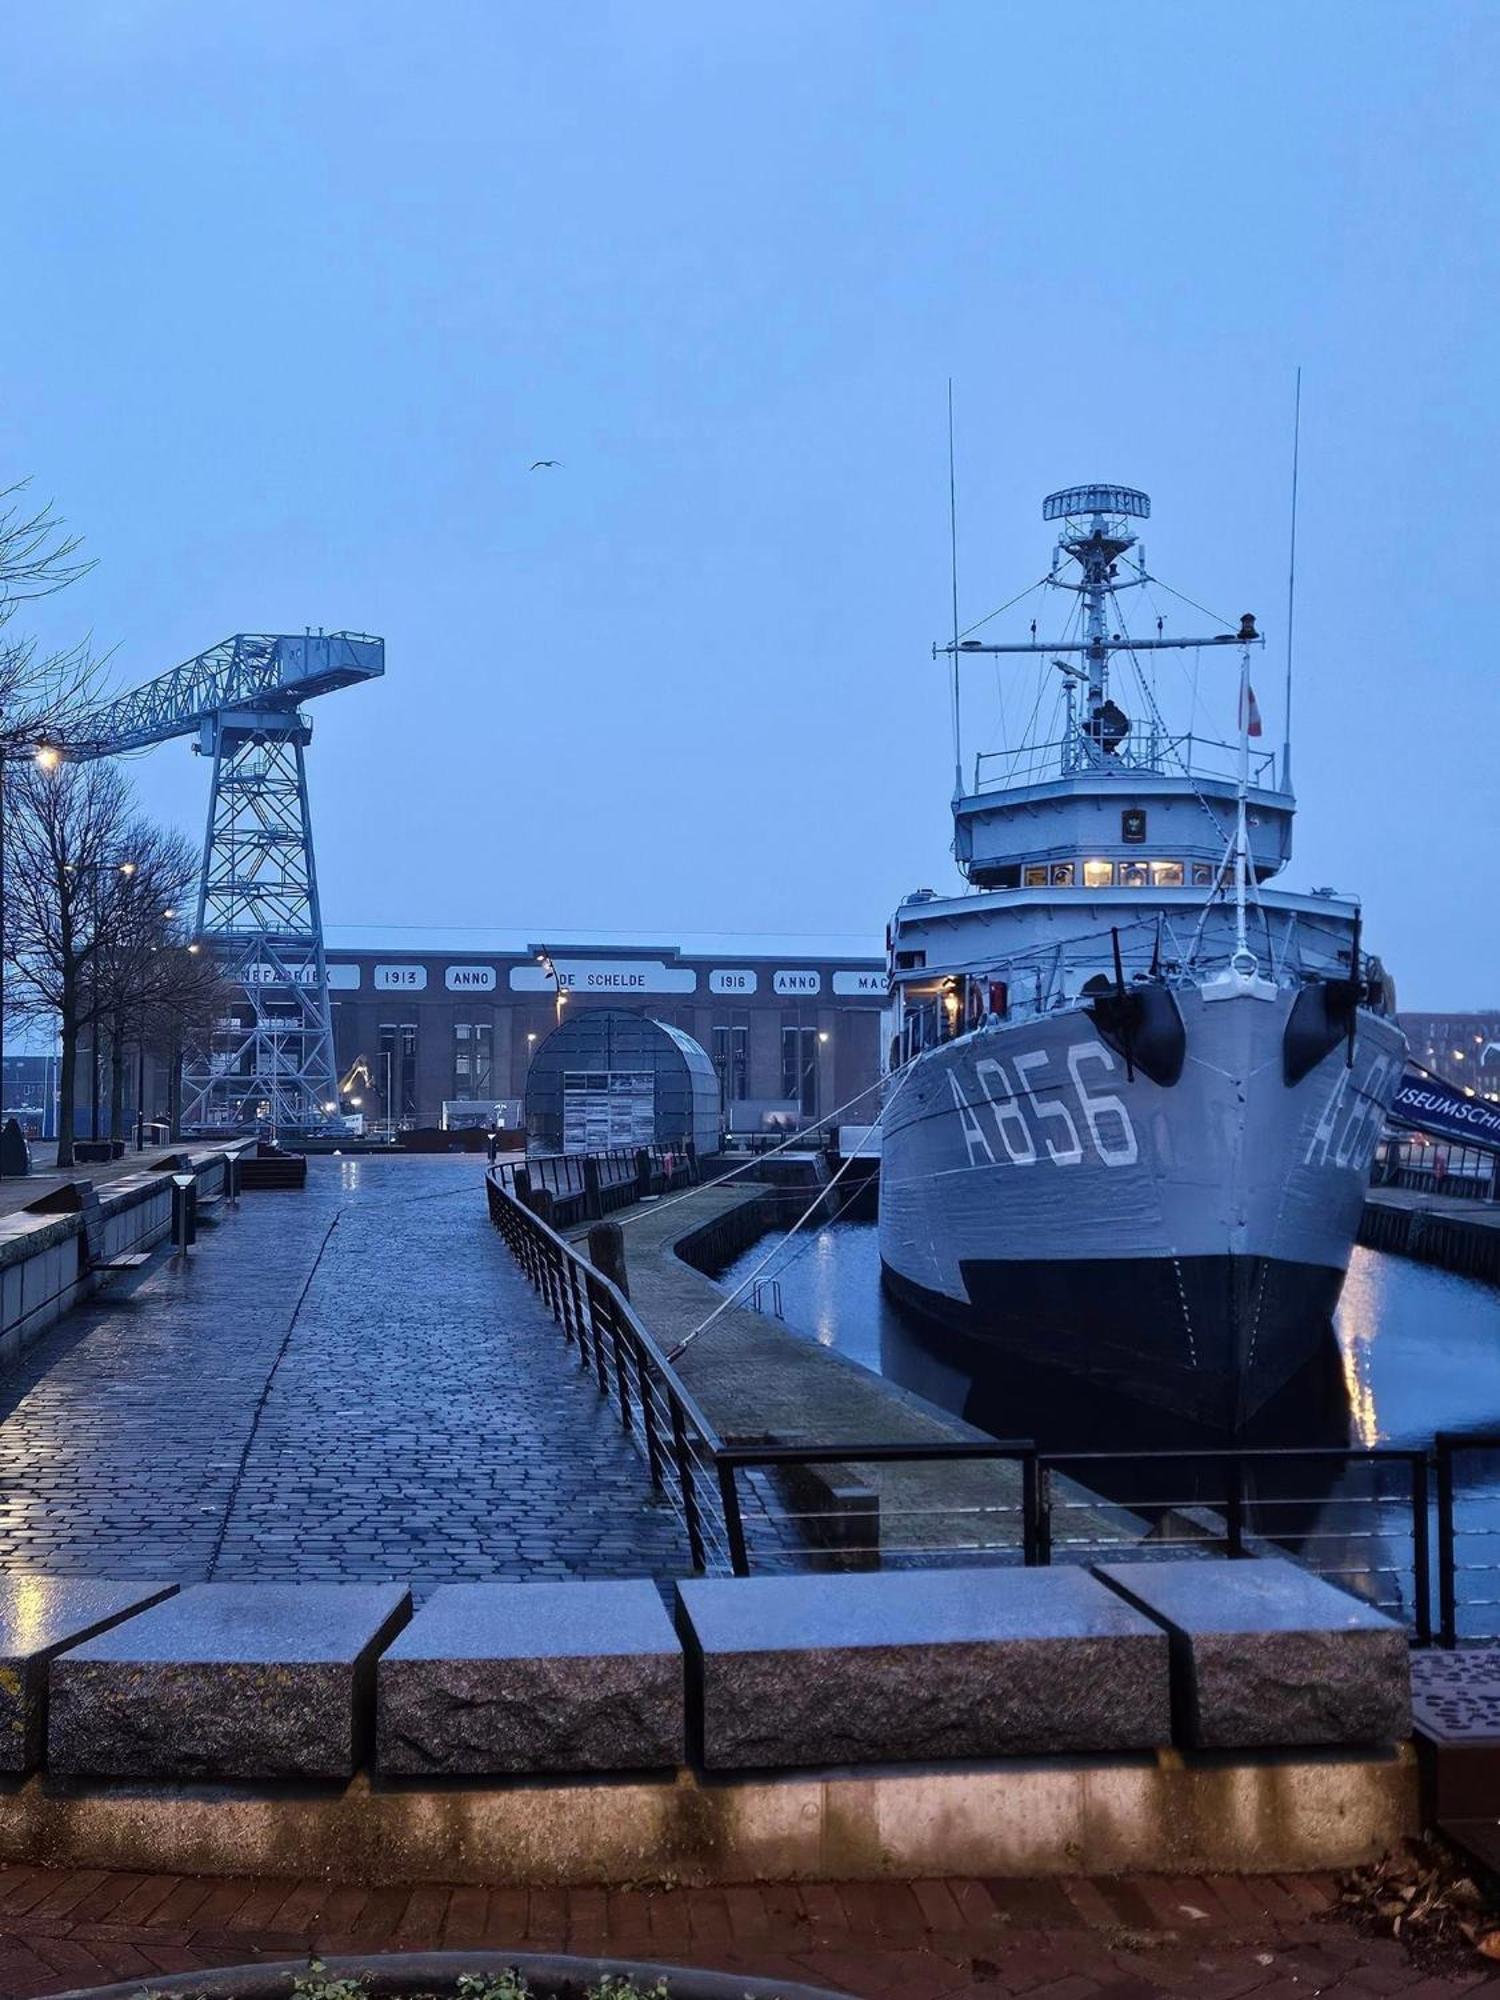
(493, 1678)
(40, 1616)
(227, 1681)
(1266, 1655)
(904, 1665)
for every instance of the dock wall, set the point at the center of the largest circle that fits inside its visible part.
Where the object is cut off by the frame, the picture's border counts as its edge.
(1468, 1244)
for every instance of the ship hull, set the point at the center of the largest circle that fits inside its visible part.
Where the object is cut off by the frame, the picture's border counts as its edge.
(1182, 1244)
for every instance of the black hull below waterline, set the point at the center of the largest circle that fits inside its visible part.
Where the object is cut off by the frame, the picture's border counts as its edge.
(1210, 1338)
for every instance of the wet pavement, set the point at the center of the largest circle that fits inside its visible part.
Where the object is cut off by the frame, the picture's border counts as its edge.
(352, 1383)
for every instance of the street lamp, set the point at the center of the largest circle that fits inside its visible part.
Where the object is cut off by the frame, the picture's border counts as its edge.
(182, 1233)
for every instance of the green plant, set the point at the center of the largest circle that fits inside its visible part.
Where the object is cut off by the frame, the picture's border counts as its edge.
(317, 1984)
(611, 1988)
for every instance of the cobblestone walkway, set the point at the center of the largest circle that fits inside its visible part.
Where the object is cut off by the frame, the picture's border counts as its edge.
(1204, 1938)
(351, 1383)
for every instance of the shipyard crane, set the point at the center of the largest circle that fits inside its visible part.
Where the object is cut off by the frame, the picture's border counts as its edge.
(258, 911)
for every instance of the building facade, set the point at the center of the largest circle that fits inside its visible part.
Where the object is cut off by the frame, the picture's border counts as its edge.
(426, 1023)
(1463, 1049)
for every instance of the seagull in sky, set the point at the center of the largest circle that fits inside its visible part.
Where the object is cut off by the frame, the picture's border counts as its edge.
(538, 463)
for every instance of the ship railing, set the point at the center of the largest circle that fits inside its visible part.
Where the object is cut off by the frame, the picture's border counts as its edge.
(1147, 749)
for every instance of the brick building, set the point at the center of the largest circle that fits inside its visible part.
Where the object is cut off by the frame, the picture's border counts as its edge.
(425, 1020)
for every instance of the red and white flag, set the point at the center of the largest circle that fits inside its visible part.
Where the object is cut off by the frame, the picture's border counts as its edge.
(1249, 710)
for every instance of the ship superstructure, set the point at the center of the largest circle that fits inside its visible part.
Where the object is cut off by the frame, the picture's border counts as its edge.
(1134, 1088)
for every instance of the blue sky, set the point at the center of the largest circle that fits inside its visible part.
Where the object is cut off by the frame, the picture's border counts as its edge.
(295, 294)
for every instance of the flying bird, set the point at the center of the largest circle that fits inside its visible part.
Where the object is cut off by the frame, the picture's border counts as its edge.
(538, 463)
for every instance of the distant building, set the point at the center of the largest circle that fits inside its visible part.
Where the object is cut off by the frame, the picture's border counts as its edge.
(30, 1092)
(428, 1022)
(1462, 1048)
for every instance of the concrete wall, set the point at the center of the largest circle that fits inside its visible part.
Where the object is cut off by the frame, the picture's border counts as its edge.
(45, 1265)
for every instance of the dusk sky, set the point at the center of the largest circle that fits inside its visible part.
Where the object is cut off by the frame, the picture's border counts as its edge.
(296, 293)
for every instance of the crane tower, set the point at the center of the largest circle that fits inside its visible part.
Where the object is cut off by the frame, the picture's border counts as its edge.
(258, 908)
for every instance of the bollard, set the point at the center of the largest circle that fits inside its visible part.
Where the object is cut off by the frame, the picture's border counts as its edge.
(607, 1254)
(593, 1204)
(184, 1212)
(494, 1146)
(642, 1173)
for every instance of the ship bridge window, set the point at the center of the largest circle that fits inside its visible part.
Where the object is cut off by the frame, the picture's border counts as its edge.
(1062, 874)
(1204, 874)
(1166, 874)
(1098, 874)
(1135, 875)
(1035, 877)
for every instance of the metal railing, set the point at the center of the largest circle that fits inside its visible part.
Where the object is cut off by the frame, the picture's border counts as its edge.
(1467, 1485)
(1437, 1166)
(1360, 1518)
(586, 1186)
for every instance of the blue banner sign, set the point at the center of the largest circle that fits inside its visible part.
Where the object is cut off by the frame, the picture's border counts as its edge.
(1430, 1105)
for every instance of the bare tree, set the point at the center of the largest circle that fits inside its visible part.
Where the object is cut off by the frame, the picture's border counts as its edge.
(65, 891)
(41, 692)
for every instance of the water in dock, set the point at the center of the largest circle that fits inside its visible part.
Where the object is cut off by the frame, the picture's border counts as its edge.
(1412, 1350)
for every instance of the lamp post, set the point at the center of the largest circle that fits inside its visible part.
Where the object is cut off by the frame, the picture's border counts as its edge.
(182, 1221)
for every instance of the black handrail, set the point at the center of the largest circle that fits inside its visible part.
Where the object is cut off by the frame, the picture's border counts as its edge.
(700, 1474)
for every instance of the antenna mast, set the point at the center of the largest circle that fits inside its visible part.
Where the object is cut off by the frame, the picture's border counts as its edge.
(958, 755)
(1291, 590)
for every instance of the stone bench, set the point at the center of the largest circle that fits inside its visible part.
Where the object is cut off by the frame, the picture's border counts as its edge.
(227, 1681)
(903, 1665)
(1266, 1655)
(532, 1677)
(40, 1616)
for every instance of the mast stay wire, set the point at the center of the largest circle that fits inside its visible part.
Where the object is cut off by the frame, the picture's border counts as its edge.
(781, 1243)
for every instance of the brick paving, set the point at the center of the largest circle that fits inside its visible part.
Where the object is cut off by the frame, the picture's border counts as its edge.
(351, 1383)
(1069, 1939)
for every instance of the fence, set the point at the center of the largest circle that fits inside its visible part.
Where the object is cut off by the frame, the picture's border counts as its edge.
(1383, 1523)
(1437, 1166)
(582, 1187)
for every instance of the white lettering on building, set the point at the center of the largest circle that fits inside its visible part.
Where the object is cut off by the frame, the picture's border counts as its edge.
(400, 978)
(470, 978)
(604, 975)
(790, 983)
(859, 985)
(732, 982)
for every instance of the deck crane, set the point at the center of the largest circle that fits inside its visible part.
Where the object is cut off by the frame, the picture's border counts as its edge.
(258, 911)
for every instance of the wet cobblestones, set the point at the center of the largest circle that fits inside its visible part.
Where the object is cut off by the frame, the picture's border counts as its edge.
(349, 1384)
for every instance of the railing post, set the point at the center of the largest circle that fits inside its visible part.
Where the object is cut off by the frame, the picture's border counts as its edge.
(602, 1307)
(1447, 1558)
(1421, 1552)
(684, 1457)
(1234, 1508)
(1043, 1514)
(648, 1415)
(622, 1374)
(1031, 1522)
(734, 1526)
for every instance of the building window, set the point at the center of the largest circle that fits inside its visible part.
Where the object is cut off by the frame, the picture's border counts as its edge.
(1098, 874)
(398, 1068)
(799, 1068)
(473, 1053)
(1166, 874)
(732, 1059)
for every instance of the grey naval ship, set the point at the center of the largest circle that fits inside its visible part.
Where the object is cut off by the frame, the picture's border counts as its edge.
(1134, 1089)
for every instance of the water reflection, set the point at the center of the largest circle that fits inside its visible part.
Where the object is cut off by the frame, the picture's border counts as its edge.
(1411, 1350)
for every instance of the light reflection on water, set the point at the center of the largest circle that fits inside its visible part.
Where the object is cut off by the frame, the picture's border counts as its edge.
(1412, 1350)
(1417, 1350)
